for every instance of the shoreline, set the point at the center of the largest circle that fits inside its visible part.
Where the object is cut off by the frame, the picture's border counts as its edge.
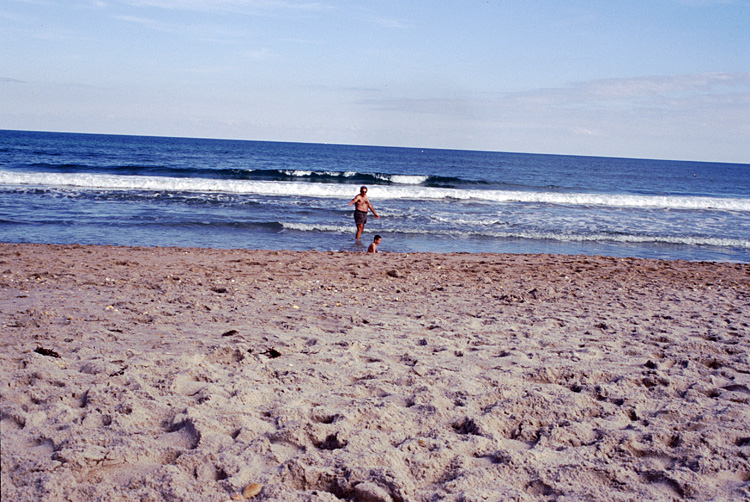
(189, 373)
(361, 247)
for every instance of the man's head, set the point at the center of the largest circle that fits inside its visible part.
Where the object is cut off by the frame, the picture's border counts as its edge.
(363, 190)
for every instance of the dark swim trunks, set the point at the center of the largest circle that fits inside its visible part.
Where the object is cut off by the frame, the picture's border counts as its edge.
(360, 217)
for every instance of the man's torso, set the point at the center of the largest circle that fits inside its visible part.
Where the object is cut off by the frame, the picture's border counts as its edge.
(361, 204)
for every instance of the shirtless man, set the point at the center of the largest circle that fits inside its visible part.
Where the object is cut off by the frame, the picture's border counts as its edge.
(361, 205)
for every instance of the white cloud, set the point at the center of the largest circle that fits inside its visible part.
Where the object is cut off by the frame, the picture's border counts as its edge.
(700, 116)
(678, 92)
(35, 2)
(623, 88)
(137, 20)
(259, 54)
(391, 23)
(241, 6)
(15, 18)
(207, 32)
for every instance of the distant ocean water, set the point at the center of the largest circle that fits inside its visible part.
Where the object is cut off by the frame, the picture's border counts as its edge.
(154, 191)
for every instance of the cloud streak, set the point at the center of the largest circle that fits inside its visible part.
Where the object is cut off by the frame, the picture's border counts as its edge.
(234, 6)
(669, 116)
(625, 88)
(677, 92)
(8, 80)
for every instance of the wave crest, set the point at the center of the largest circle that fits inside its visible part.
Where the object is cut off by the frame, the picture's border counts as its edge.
(338, 190)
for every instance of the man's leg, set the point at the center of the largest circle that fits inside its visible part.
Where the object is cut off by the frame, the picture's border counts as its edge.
(360, 228)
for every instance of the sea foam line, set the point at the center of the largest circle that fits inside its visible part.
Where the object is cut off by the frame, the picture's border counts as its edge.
(539, 236)
(276, 188)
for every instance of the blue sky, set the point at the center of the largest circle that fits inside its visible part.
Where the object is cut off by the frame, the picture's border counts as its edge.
(663, 79)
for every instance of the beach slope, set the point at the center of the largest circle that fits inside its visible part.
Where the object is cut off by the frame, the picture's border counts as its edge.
(163, 374)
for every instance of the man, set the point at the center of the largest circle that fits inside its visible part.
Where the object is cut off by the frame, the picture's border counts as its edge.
(361, 205)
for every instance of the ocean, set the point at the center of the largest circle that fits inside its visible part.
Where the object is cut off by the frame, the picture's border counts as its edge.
(66, 188)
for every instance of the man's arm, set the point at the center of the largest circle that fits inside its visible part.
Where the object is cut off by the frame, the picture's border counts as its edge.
(372, 209)
(355, 199)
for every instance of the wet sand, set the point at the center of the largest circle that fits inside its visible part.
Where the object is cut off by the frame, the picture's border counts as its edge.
(163, 374)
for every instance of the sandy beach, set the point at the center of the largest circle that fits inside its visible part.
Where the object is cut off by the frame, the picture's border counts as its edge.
(167, 374)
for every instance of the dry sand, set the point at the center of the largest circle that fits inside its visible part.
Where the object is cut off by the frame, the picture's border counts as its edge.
(162, 374)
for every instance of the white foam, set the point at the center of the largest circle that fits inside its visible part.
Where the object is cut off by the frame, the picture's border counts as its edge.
(631, 239)
(408, 180)
(305, 227)
(570, 237)
(161, 184)
(540, 236)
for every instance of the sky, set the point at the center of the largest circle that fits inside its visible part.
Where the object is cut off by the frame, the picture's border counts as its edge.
(661, 79)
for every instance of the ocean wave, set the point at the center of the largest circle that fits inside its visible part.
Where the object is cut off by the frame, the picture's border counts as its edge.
(335, 190)
(316, 227)
(626, 238)
(538, 236)
(337, 176)
(235, 173)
